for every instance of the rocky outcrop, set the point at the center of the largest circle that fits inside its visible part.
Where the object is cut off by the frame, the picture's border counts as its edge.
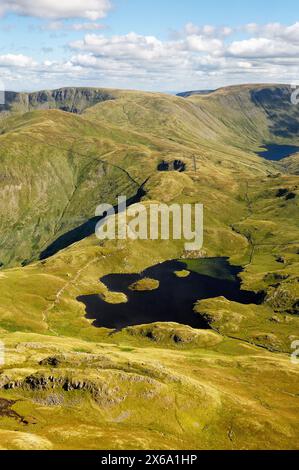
(175, 334)
(50, 361)
(283, 298)
(99, 391)
(73, 100)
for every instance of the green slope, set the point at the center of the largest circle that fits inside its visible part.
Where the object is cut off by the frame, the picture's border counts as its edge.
(232, 387)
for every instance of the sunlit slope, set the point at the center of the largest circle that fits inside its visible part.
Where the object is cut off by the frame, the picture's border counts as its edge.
(56, 167)
(253, 226)
(214, 393)
(162, 385)
(241, 117)
(257, 114)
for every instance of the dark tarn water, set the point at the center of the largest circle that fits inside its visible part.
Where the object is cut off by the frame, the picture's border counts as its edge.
(174, 300)
(278, 152)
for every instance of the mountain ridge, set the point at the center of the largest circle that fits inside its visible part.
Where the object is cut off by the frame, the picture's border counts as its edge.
(116, 127)
(80, 386)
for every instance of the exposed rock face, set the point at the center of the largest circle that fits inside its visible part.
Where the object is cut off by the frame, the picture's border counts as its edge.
(176, 334)
(73, 100)
(98, 390)
(50, 361)
(283, 298)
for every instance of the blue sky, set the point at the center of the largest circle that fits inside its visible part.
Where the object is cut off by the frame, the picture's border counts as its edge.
(147, 44)
(159, 16)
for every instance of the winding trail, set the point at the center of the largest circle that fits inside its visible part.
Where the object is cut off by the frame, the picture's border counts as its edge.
(70, 282)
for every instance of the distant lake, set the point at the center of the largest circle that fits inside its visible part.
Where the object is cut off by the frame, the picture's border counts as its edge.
(277, 152)
(175, 298)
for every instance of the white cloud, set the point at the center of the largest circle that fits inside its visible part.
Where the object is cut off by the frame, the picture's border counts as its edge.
(131, 45)
(263, 48)
(16, 60)
(275, 31)
(202, 44)
(244, 65)
(61, 25)
(198, 56)
(208, 30)
(90, 9)
(204, 53)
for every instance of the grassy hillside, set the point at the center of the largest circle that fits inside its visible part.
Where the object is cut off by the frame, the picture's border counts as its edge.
(214, 394)
(74, 385)
(46, 168)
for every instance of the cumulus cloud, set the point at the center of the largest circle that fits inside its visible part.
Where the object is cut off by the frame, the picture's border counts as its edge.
(199, 43)
(208, 30)
(131, 45)
(198, 56)
(269, 41)
(262, 48)
(275, 31)
(16, 60)
(199, 53)
(90, 9)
